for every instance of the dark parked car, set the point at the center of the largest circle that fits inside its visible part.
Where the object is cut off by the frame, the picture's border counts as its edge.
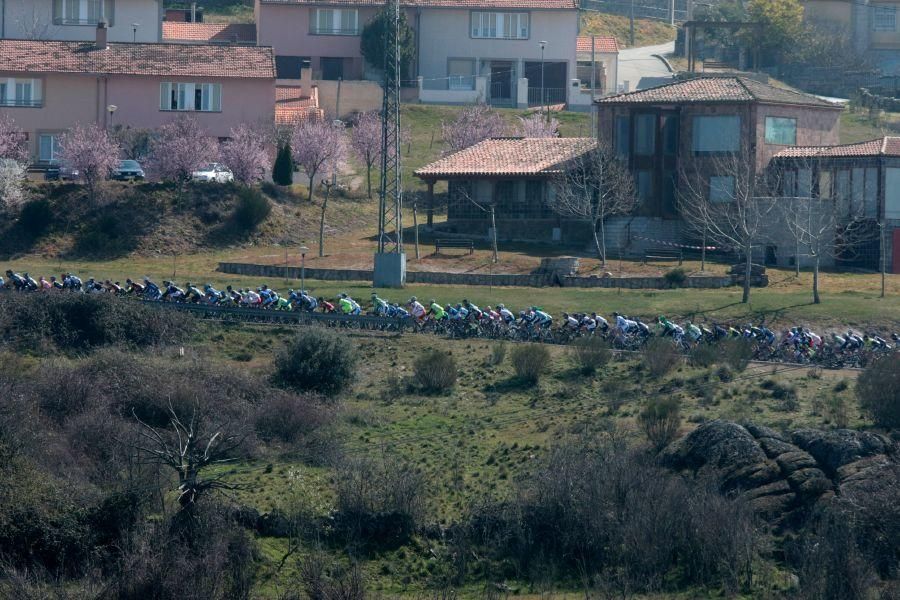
(60, 172)
(128, 169)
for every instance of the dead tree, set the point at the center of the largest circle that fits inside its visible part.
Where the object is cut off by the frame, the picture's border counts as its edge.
(594, 186)
(722, 197)
(190, 448)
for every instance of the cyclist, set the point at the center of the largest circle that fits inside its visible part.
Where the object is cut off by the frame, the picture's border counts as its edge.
(133, 287)
(570, 322)
(54, 283)
(541, 318)
(694, 333)
(625, 324)
(436, 311)
(379, 306)
(505, 314)
(348, 305)
(472, 311)
(30, 283)
(251, 298)
(192, 294)
(416, 309)
(113, 287)
(151, 290)
(600, 322)
(327, 307)
(398, 312)
(44, 284)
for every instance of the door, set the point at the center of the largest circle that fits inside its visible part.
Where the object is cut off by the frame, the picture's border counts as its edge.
(896, 253)
(501, 82)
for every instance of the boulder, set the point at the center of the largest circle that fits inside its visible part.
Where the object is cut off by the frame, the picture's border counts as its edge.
(795, 460)
(834, 449)
(718, 444)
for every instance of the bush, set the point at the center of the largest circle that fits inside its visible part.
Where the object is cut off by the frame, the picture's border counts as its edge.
(530, 361)
(660, 420)
(704, 355)
(435, 371)
(676, 277)
(35, 217)
(252, 209)
(736, 353)
(283, 169)
(316, 360)
(498, 353)
(878, 390)
(660, 356)
(591, 354)
(287, 417)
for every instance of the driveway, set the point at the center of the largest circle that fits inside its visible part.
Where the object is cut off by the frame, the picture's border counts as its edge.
(640, 69)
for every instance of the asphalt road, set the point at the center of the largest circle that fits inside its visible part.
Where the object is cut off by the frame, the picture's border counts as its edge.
(639, 69)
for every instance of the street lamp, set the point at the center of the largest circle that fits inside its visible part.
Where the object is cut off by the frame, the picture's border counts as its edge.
(111, 109)
(303, 251)
(134, 28)
(543, 44)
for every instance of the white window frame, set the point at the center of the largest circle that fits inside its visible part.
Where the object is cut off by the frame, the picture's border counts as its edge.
(496, 25)
(884, 17)
(78, 12)
(334, 21)
(184, 95)
(773, 128)
(10, 96)
(54, 146)
(461, 82)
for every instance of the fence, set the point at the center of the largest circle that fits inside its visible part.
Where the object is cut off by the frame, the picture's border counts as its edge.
(551, 96)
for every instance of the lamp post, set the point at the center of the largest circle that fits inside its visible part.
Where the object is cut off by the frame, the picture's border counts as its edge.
(111, 109)
(303, 251)
(543, 45)
(134, 28)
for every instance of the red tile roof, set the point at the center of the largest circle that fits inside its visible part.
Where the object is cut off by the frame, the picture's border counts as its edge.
(602, 43)
(292, 106)
(509, 156)
(717, 89)
(886, 146)
(499, 4)
(209, 32)
(175, 60)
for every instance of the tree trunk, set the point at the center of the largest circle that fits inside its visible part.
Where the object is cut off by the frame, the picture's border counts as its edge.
(748, 268)
(597, 245)
(816, 299)
(603, 242)
(369, 180)
(311, 178)
(322, 222)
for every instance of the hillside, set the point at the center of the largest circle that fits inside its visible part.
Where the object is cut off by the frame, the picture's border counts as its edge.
(647, 32)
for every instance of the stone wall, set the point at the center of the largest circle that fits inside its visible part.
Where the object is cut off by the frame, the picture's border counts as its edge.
(500, 280)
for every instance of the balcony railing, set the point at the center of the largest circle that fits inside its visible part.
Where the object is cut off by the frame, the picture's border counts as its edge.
(22, 103)
(89, 21)
(334, 31)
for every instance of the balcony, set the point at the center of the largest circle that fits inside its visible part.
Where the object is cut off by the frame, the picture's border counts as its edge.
(334, 31)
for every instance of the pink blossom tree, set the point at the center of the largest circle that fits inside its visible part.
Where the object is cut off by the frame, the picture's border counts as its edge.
(365, 139)
(536, 126)
(247, 154)
(89, 150)
(179, 148)
(473, 124)
(13, 141)
(318, 147)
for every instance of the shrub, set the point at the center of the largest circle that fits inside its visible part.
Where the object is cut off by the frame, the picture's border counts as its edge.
(704, 355)
(252, 209)
(878, 390)
(498, 353)
(676, 277)
(660, 420)
(660, 356)
(591, 354)
(725, 373)
(530, 361)
(35, 217)
(435, 371)
(836, 411)
(287, 417)
(316, 360)
(736, 353)
(283, 169)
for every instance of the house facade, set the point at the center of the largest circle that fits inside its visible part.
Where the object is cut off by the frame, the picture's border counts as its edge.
(49, 86)
(871, 25)
(76, 20)
(860, 182)
(598, 62)
(516, 177)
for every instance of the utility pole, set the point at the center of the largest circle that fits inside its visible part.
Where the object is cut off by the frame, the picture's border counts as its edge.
(672, 13)
(593, 84)
(883, 257)
(390, 260)
(632, 24)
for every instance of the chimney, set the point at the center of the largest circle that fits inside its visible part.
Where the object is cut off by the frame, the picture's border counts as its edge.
(101, 35)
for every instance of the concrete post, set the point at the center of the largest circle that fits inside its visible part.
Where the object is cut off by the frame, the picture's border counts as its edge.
(421, 84)
(481, 89)
(522, 93)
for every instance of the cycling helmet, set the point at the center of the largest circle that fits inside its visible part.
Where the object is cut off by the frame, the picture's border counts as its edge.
(500, 306)
(413, 299)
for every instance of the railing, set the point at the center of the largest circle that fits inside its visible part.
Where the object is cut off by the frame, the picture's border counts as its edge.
(503, 93)
(334, 31)
(551, 96)
(89, 21)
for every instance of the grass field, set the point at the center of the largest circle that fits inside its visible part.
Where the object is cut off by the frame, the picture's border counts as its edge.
(647, 32)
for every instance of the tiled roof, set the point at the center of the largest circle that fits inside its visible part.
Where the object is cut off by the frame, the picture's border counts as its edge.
(717, 89)
(886, 146)
(176, 60)
(209, 32)
(602, 43)
(509, 156)
(499, 4)
(292, 106)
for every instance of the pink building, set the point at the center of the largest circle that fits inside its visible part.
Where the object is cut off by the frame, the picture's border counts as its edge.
(48, 86)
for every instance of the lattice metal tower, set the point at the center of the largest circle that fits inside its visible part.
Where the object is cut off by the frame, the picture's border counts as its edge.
(390, 223)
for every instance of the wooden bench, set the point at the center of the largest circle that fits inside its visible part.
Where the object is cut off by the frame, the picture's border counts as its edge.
(664, 254)
(464, 244)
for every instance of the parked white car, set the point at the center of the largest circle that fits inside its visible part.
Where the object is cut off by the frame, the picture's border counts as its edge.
(213, 172)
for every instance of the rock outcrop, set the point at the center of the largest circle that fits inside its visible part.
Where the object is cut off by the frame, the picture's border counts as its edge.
(784, 476)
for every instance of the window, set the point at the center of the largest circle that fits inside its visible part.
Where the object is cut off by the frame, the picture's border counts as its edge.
(870, 196)
(461, 73)
(721, 188)
(719, 134)
(623, 136)
(203, 97)
(583, 72)
(670, 135)
(645, 135)
(644, 181)
(48, 146)
(83, 12)
(892, 193)
(804, 183)
(332, 68)
(20, 92)
(825, 185)
(781, 131)
(884, 18)
(499, 25)
(334, 21)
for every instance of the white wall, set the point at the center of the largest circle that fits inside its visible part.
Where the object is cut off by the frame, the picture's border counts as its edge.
(33, 19)
(446, 33)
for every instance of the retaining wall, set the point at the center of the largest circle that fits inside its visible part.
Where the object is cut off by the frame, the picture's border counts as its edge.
(500, 280)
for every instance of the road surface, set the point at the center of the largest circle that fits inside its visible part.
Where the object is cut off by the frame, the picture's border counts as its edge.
(639, 69)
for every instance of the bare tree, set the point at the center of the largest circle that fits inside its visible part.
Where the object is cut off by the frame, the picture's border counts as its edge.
(35, 25)
(720, 199)
(594, 186)
(191, 445)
